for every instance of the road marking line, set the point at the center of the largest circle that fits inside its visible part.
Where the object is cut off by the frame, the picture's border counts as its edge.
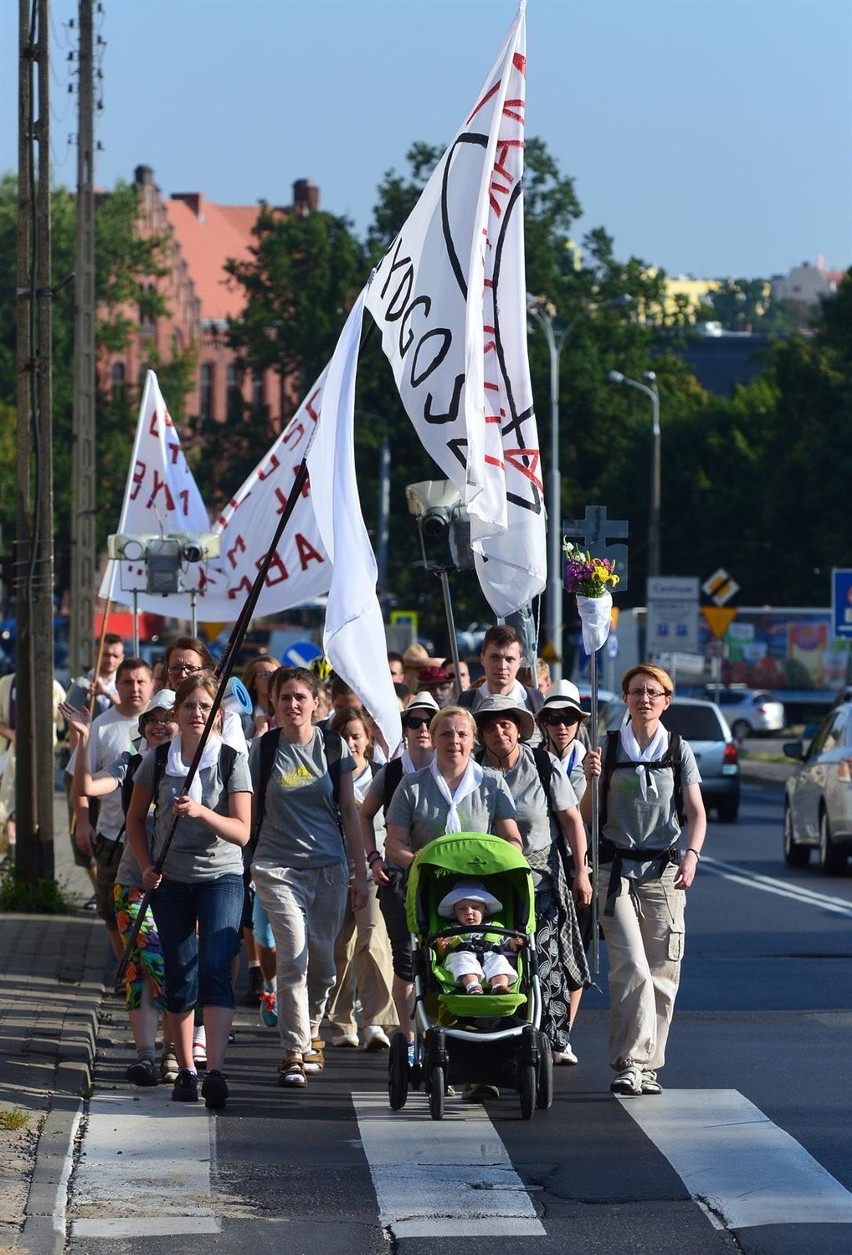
(442, 1178)
(145, 1168)
(753, 880)
(737, 1163)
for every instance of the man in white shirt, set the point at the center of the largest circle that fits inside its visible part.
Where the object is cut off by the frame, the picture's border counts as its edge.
(112, 733)
(501, 661)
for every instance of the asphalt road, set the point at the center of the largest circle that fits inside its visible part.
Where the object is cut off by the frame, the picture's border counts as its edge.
(748, 1149)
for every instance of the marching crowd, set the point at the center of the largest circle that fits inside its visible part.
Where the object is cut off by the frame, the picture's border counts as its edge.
(298, 829)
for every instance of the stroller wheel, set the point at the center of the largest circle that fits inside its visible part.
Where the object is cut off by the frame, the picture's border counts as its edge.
(527, 1089)
(544, 1097)
(398, 1071)
(436, 1092)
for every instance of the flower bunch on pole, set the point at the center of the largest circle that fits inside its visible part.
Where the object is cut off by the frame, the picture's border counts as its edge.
(590, 580)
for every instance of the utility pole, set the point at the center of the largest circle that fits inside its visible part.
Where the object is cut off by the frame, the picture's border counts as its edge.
(33, 564)
(83, 449)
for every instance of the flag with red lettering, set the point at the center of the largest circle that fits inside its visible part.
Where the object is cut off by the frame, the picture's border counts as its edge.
(161, 499)
(300, 568)
(354, 636)
(450, 299)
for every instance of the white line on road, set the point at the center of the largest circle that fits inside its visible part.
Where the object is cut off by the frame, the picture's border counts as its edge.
(730, 871)
(145, 1168)
(442, 1178)
(735, 1161)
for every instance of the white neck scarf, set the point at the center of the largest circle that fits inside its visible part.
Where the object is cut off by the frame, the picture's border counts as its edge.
(655, 749)
(175, 766)
(470, 781)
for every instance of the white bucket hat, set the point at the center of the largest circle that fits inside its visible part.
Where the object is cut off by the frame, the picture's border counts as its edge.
(164, 700)
(469, 891)
(564, 696)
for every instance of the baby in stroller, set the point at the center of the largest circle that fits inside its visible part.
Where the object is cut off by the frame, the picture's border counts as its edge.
(475, 956)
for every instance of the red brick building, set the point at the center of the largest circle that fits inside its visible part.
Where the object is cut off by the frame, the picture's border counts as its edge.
(200, 298)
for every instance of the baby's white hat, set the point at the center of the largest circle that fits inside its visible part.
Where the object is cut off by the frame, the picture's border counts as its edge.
(469, 891)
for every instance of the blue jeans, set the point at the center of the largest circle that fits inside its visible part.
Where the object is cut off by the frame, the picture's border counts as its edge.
(198, 967)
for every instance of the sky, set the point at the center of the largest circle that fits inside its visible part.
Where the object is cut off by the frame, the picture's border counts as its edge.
(708, 137)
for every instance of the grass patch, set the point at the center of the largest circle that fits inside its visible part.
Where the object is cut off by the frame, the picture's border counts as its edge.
(45, 897)
(11, 1121)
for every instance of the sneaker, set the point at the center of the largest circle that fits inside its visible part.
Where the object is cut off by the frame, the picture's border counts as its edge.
(565, 1055)
(91, 905)
(185, 1086)
(214, 1091)
(628, 1082)
(169, 1066)
(412, 1054)
(650, 1084)
(291, 1070)
(314, 1059)
(375, 1038)
(269, 1009)
(142, 1072)
(255, 987)
(349, 1040)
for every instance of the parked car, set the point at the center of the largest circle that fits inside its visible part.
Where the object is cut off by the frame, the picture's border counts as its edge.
(703, 725)
(750, 712)
(818, 795)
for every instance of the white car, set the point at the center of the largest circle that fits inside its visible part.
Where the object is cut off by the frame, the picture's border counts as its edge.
(750, 712)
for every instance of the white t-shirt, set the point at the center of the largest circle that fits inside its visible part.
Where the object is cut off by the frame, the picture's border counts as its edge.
(110, 736)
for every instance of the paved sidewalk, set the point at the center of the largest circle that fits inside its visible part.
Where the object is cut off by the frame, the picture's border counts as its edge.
(52, 973)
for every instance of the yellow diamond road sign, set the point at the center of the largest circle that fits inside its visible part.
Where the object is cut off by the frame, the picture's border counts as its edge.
(720, 587)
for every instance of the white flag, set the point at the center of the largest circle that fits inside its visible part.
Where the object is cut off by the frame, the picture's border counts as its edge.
(354, 636)
(300, 568)
(161, 498)
(450, 299)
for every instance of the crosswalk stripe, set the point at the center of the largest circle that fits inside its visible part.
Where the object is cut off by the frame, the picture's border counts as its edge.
(145, 1168)
(767, 884)
(740, 1166)
(442, 1178)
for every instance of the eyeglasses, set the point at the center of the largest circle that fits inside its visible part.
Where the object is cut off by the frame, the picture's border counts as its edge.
(654, 694)
(183, 668)
(149, 719)
(553, 721)
(413, 722)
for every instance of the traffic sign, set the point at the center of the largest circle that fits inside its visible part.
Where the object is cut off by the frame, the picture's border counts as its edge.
(672, 616)
(720, 587)
(719, 619)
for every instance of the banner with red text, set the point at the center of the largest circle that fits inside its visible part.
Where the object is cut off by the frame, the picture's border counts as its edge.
(450, 299)
(161, 499)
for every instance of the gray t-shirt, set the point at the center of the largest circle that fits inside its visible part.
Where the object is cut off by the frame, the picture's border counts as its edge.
(524, 784)
(649, 823)
(196, 853)
(300, 827)
(572, 767)
(419, 806)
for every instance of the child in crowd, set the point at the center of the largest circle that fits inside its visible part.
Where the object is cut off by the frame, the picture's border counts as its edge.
(475, 956)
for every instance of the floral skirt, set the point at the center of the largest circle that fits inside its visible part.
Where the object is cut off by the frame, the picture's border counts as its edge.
(562, 965)
(146, 959)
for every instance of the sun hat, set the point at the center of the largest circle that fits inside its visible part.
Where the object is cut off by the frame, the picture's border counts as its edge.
(564, 696)
(497, 704)
(415, 656)
(469, 891)
(422, 701)
(164, 700)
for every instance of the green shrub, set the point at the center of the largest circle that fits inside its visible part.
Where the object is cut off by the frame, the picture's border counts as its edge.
(45, 897)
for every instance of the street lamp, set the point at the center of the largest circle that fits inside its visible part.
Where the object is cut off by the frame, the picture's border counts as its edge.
(544, 312)
(649, 387)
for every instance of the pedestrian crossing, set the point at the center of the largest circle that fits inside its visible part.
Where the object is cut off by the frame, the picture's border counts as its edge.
(148, 1167)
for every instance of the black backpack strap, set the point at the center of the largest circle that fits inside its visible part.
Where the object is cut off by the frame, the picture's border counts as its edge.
(608, 767)
(544, 767)
(393, 775)
(333, 745)
(268, 750)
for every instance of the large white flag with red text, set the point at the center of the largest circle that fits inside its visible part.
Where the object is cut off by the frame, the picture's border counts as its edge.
(300, 568)
(354, 636)
(450, 299)
(161, 499)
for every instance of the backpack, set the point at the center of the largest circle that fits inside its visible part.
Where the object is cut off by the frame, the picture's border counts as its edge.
(393, 775)
(671, 760)
(227, 758)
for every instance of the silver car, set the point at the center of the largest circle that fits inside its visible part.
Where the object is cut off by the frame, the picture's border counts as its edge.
(818, 795)
(750, 712)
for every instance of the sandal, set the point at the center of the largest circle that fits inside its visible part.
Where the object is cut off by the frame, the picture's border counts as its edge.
(291, 1071)
(314, 1059)
(473, 988)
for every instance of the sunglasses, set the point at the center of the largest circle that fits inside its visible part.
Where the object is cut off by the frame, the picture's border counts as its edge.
(416, 721)
(553, 721)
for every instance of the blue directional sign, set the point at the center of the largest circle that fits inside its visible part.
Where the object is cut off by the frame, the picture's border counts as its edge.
(841, 605)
